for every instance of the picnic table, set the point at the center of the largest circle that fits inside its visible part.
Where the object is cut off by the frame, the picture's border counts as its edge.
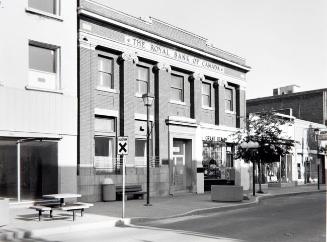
(73, 207)
(62, 197)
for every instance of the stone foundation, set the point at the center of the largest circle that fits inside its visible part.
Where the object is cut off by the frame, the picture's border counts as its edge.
(90, 181)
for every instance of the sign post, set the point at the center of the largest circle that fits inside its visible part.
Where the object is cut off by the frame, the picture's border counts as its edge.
(123, 151)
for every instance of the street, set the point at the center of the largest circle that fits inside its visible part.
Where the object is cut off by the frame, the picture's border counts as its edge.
(292, 218)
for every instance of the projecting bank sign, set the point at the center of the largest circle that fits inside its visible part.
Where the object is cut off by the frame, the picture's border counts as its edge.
(171, 53)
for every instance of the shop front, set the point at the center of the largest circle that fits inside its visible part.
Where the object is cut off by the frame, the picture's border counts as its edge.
(28, 168)
(217, 161)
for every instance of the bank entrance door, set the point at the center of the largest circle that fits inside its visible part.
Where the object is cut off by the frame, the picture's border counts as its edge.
(181, 165)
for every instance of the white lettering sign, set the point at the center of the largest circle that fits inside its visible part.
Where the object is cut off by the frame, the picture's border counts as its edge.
(173, 54)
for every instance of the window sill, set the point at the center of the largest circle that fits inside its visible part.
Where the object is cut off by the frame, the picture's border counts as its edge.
(59, 91)
(230, 112)
(104, 89)
(44, 14)
(208, 108)
(138, 95)
(178, 102)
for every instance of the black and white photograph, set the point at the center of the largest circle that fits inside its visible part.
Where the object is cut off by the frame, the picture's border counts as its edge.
(162, 120)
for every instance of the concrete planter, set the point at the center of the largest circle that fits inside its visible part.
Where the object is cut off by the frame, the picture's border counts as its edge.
(280, 185)
(4, 212)
(226, 193)
(264, 187)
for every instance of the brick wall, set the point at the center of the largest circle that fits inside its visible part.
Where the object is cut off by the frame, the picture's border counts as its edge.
(307, 106)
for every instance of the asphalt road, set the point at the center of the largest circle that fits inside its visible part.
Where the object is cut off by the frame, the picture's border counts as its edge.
(300, 218)
(293, 218)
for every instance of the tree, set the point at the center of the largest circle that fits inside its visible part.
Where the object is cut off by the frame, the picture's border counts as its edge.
(269, 130)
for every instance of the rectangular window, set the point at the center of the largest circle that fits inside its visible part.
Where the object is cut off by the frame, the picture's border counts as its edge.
(177, 88)
(140, 148)
(105, 70)
(43, 66)
(206, 94)
(104, 146)
(104, 143)
(104, 124)
(142, 80)
(229, 99)
(49, 6)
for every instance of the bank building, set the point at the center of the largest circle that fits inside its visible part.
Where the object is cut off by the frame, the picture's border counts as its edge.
(199, 100)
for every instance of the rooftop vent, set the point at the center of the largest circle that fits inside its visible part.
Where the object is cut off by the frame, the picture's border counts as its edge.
(285, 90)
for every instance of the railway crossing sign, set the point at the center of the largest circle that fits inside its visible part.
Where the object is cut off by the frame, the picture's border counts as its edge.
(122, 145)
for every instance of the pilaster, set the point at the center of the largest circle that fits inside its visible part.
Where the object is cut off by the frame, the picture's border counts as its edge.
(162, 88)
(128, 61)
(196, 91)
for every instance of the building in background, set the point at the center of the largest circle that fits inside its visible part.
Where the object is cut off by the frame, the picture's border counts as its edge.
(306, 105)
(38, 97)
(199, 101)
(308, 110)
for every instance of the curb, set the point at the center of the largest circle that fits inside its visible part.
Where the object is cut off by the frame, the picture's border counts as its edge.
(257, 200)
(21, 234)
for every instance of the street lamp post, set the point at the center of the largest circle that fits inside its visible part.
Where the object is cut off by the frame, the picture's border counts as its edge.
(317, 161)
(148, 100)
(252, 146)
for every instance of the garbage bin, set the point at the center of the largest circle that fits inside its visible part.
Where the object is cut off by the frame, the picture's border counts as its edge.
(108, 190)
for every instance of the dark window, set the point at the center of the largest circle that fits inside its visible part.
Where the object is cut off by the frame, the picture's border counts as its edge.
(206, 94)
(177, 88)
(49, 6)
(229, 99)
(142, 79)
(42, 59)
(105, 72)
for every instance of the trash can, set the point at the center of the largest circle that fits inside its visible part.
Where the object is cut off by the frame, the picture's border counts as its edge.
(108, 190)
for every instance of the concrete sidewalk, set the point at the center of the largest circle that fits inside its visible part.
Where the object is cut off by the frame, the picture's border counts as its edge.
(24, 221)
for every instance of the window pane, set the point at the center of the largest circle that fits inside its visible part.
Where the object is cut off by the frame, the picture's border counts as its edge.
(42, 59)
(229, 106)
(43, 5)
(176, 94)
(105, 64)
(104, 124)
(140, 147)
(228, 94)
(206, 101)
(141, 87)
(104, 146)
(177, 81)
(142, 73)
(206, 88)
(105, 80)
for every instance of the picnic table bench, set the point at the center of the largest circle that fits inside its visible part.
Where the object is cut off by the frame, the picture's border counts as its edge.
(79, 206)
(56, 202)
(131, 191)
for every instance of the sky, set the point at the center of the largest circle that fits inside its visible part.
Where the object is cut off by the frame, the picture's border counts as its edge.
(284, 41)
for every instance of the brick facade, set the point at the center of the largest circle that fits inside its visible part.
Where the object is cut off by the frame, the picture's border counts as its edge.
(308, 105)
(173, 121)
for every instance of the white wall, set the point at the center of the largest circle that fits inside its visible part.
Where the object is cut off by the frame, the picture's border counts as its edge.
(34, 112)
(27, 110)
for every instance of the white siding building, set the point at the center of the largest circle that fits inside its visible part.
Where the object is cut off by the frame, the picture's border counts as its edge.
(38, 97)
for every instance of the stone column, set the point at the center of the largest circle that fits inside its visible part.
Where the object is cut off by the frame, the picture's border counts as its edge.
(127, 61)
(162, 90)
(196, 91)
(240, 107)
(219, 86)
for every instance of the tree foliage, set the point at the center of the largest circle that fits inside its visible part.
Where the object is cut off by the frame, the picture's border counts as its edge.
(269, 130)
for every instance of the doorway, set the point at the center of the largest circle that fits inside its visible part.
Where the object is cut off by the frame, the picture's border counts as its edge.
(182, 165)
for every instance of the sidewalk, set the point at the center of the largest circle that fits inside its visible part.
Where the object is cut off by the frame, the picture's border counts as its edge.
(24, 221)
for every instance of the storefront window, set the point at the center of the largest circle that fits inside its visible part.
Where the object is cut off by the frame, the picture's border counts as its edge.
(217, 160)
